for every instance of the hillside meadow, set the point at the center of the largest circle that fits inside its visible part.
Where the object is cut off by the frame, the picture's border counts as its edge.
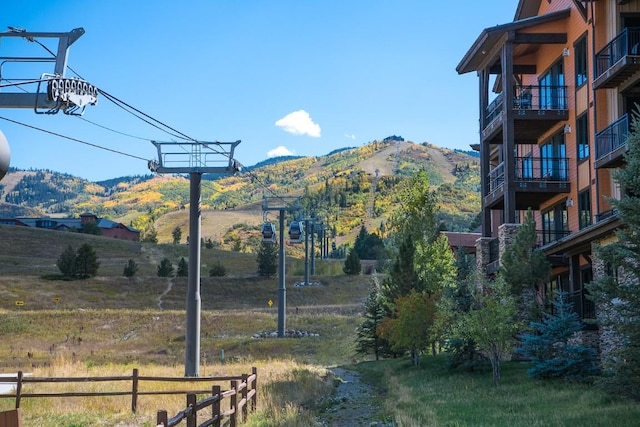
(108, 325)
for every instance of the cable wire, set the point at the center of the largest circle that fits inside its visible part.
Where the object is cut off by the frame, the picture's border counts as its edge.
(74, 139)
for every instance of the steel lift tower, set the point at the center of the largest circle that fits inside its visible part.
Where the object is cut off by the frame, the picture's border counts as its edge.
(194, 158)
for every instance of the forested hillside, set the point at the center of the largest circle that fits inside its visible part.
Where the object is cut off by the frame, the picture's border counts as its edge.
(346, 188)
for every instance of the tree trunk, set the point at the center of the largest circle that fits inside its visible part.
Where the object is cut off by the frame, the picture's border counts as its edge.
(495, 365)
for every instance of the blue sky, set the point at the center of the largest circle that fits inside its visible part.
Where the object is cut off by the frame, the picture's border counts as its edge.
(301, 77)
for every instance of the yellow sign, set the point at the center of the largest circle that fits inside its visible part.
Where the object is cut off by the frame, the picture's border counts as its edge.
(56, 299)
(270, 303)
(19, 303)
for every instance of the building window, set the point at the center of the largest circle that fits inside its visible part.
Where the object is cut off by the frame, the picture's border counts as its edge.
(584, 209)
(554, 161)
(582, 136)
(555, 223)
(552, 89)
(580, 49)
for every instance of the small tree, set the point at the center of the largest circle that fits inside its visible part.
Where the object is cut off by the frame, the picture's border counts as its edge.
(150, 235)
(352, 266)
(183, 268)
(267, 259)
(67, 262)
(491, 323)
(177, 235)
(91, 227)
(549, 348)
(217, 270)
(87, 263)
(165, 268)
(130, 268)
(368, 340)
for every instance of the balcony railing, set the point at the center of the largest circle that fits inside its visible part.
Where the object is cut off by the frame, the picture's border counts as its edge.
(549, 236)
(625, 43)
(532, 169)
(530, 97)
(612, 137)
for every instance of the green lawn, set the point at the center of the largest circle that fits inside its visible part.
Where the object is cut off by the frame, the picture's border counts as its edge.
(430, 395)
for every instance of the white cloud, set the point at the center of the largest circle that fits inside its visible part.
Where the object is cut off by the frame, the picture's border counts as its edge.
(350, 136)
(280, 151)
(299, 123)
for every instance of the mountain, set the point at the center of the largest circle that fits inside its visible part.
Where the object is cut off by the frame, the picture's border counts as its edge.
(346, 188)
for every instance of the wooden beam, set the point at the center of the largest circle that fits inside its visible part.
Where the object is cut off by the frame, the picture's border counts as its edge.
(517, 69)
(540, 38)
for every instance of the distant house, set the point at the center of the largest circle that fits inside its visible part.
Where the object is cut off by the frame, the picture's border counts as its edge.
(108, 228)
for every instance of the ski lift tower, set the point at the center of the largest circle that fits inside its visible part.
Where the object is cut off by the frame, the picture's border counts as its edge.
(282, 207)
(24, 85)
(194, 158)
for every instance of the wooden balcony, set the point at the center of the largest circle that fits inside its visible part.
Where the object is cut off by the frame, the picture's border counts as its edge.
(537, 179)
(611, 144)
(536, 109)
(618, 60)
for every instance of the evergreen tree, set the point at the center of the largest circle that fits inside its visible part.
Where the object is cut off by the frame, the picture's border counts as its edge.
(548, 345)
(165, 268)
(91, 227)
(130, 269)
(368, 341)
(352, 266)
(176, 234)
(183, 268)
(217, 270)
(525, 269)
(267, 259)
(618, 294)
(87, 263)
(66, 263)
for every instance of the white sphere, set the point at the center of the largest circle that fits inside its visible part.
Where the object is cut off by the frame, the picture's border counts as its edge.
(5, 155)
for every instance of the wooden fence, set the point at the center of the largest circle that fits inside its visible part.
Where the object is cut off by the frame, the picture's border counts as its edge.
(244, 386)
(246, 389)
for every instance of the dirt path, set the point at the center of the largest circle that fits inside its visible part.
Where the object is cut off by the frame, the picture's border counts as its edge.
(353, 404)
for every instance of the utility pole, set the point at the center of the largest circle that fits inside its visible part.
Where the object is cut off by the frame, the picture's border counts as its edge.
(194, 158)
(282, 290)
(313, 250)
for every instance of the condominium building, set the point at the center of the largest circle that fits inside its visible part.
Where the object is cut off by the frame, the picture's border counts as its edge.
(557, 86)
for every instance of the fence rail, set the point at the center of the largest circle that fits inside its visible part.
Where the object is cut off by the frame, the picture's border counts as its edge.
(244, 385)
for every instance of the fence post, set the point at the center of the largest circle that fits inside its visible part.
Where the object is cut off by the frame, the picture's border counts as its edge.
(18, 389)
(234, 404)
(254, 399)
(215, 408)
(245, 391)
(192, 417)
(134, 391)
(162, 418)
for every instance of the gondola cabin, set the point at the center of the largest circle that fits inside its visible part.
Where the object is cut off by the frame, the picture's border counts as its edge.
(295, 232)
(268, 232)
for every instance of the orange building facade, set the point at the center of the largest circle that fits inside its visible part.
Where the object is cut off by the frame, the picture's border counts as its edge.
(557, 86)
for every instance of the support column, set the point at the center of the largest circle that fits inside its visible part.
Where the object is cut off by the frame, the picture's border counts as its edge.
(282, 292)
(508, 136)
(192, 338)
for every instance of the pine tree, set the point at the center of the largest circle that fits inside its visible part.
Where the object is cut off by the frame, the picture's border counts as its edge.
(548, 345)
(267, 259)
(368, 341)
(67, 262)
(352, 266)
(183, 268)
(176, 234)
(618, 293)
(130, 268)
(87, 263)
(165, 268)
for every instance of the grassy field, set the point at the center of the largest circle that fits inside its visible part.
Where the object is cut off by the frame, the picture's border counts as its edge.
(109, 324)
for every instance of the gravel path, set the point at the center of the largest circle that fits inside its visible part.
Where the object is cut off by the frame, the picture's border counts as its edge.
(353, 404)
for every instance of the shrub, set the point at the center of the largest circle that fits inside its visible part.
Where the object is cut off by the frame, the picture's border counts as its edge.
(217, 270)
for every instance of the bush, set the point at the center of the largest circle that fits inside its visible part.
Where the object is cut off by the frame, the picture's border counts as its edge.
(165, 268)
(217, 270)
(130, 269)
